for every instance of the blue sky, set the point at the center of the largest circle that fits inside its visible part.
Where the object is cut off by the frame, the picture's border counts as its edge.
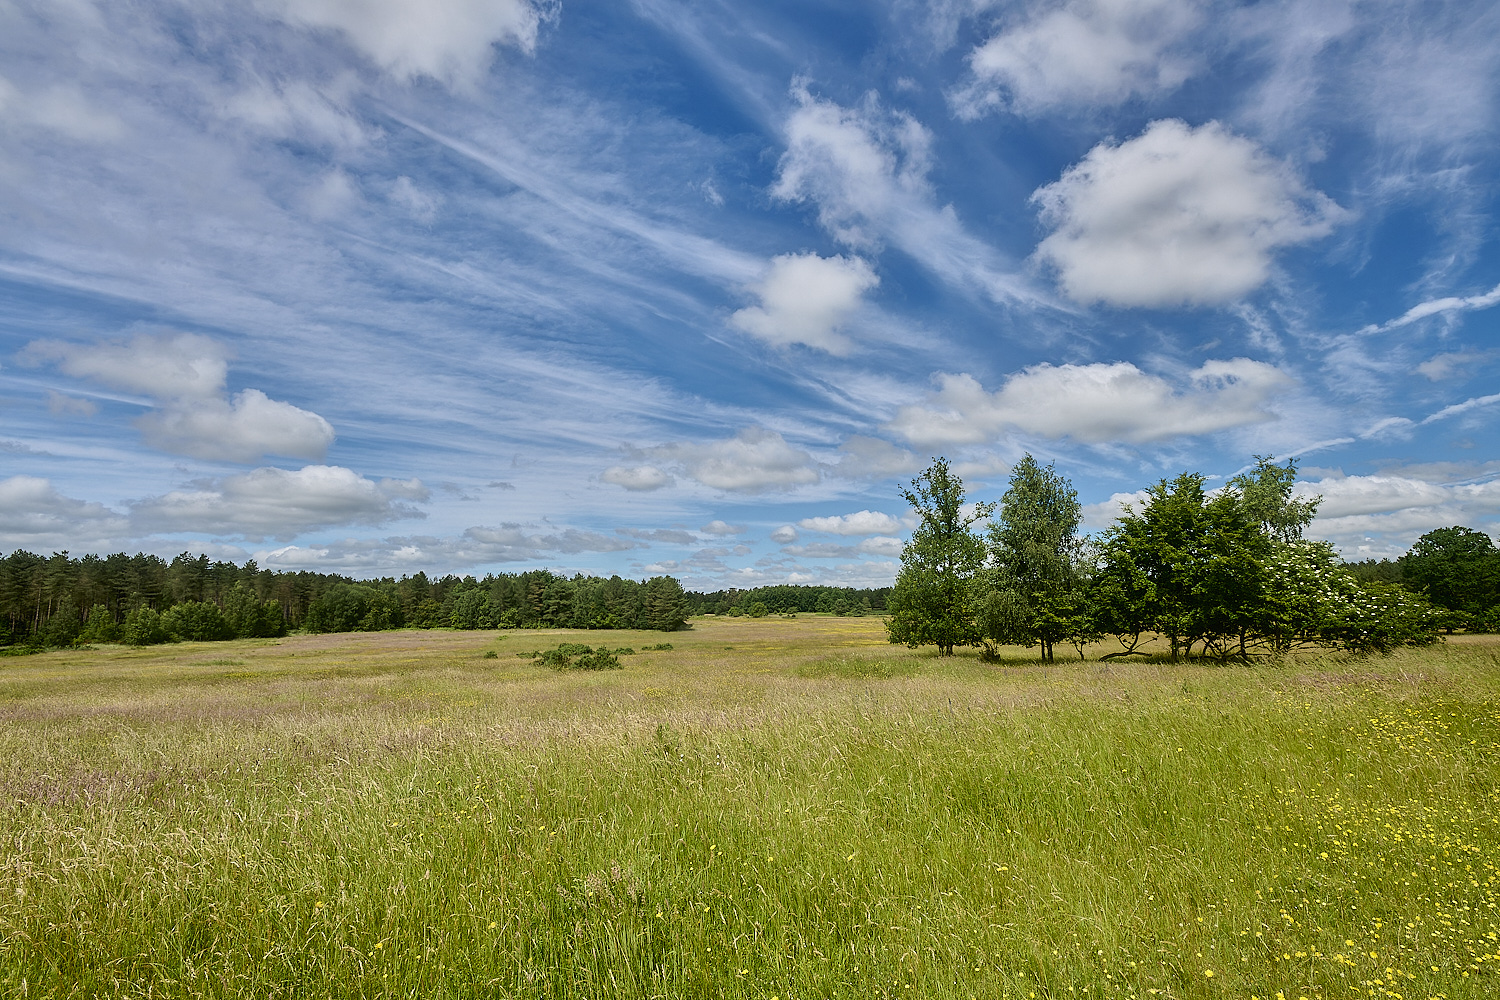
(374, 286)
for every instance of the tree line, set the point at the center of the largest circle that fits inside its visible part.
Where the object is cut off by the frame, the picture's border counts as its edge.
(142, 599)
(1224, 573)
(784, 599)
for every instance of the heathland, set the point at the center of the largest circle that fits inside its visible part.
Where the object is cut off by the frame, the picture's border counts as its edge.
(788, 808)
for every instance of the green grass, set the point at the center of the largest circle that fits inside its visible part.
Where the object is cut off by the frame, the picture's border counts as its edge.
(810, 813)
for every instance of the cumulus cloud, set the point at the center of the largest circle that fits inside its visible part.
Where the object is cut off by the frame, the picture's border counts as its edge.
(276, 503)
(241, 429)
(1086, 52)
(33, 514)
(860, 166)
(721, 528)
(753, 461)
(165, 366)
(864, 522)
(1175, 216)
(449, 40)
(806, 299)
(637, 477)
(1382, 515)
(184, 374)
(784, 535)
(1094, 403)
(863, 457)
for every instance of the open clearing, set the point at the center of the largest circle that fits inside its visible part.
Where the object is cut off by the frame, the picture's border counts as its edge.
(774, 808)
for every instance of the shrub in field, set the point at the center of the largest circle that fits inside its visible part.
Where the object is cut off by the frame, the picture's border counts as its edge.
(577, 656)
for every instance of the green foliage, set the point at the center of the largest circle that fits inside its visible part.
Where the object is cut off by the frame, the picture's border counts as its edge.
(350, 607)
(664, 605)
(143, 627)
(1038, 583)
(577, 656)
(932, 603)
(1381, 617)
(1189, 565)
(1266, 496)
(758, 610)
(100, 626)
(196, 621)
(1456, 568)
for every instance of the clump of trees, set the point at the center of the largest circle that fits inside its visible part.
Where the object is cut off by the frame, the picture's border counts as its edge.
(62, 601)
(1224, 573)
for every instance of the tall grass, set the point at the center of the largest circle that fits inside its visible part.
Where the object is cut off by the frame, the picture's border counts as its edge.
(809, 813)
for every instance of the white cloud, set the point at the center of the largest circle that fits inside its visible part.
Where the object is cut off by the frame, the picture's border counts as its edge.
(34, 515)
(1382, 515)
(448, 40)
(784, 535)
(1476, 403)
(165, 366)
(334, 194)
(60, 405)
(64, 109)
(752, 461)
(1434, 307)
(1175, 216)
(637, 477)
(238, 430)
(671, 536)
(185, 374)
(806, 299)
(721, 528)
(1453, 363)
(861, 166)
(297, 109)
(420, 205)
(867, 457)
(275, 503)
(1094, 403)
(864, 522)
(1097, 516)
(866, 169)
(1086, 52)
(476, 546)
(881, 546)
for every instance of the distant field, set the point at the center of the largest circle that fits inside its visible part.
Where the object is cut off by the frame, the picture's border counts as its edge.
(773, 808)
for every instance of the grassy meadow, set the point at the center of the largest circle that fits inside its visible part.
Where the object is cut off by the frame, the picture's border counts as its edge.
(777, 808)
